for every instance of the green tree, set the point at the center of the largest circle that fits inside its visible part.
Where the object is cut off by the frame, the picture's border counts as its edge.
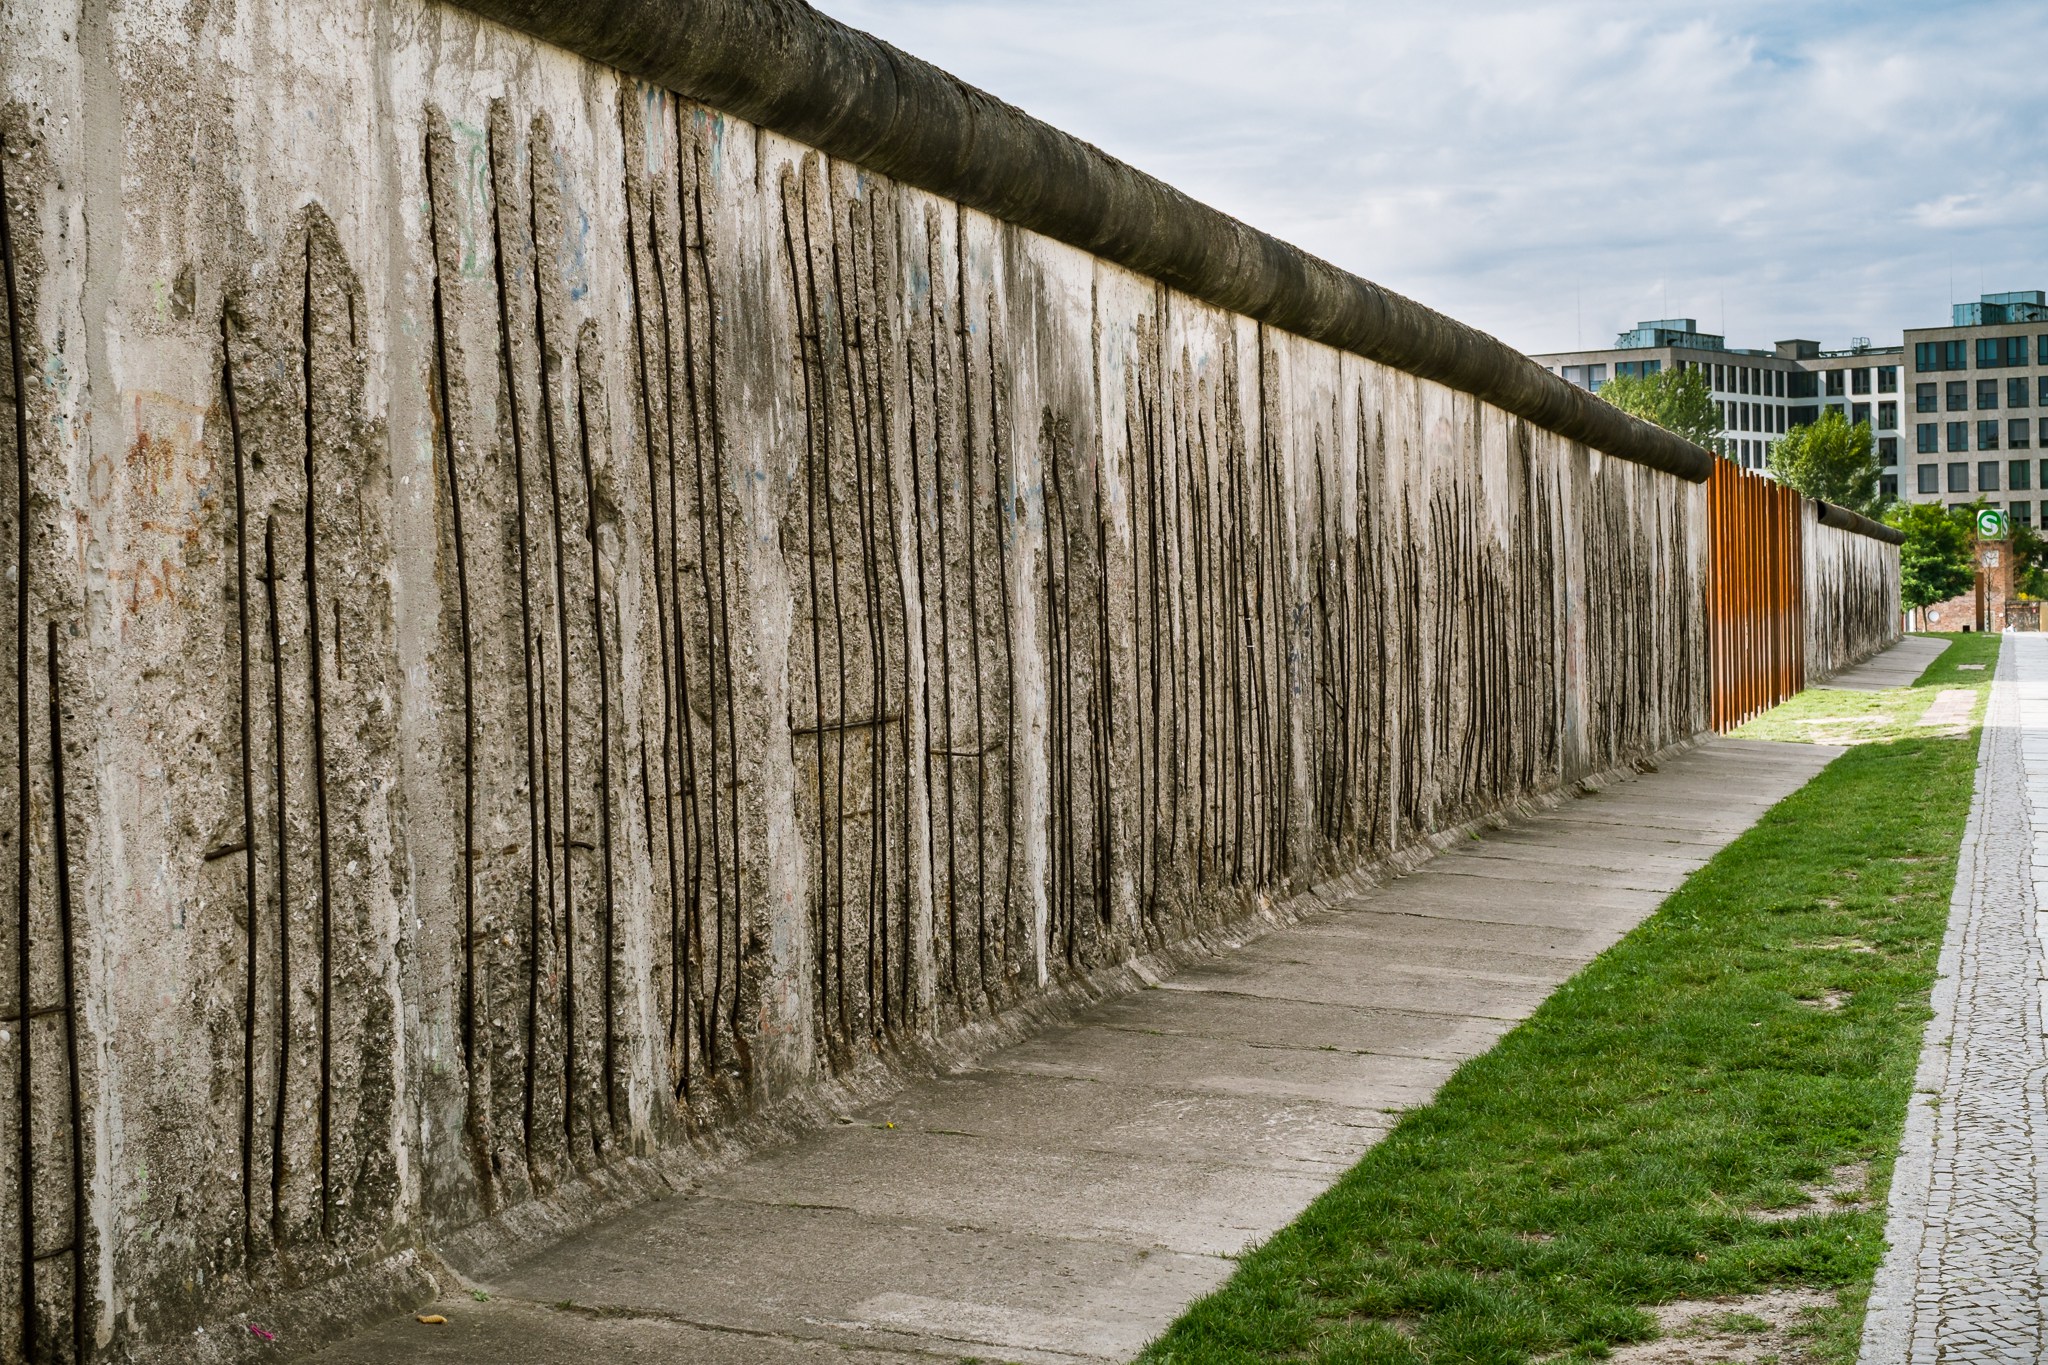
(1676, 400)
(1832, 461)
(2029, 553)
(1938, 560)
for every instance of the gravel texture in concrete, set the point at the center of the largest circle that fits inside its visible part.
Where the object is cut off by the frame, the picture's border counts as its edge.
(1063, 1199)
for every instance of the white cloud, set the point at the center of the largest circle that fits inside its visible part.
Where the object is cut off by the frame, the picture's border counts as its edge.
(1815, 170)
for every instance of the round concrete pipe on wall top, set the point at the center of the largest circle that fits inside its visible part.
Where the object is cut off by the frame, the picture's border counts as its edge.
(783, 65)
(1842, 519)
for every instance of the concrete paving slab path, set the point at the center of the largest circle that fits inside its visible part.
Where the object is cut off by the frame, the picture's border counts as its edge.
(1966, 1275)
(1898, 666)
(1064, 1198)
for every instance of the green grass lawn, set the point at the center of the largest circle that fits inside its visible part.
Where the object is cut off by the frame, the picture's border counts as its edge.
(1612, 1153)
(1821, 714)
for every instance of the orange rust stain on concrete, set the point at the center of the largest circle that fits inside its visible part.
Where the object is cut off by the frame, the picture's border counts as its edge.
(168, 491)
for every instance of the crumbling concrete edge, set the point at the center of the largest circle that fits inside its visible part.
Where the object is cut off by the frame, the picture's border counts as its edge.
(786, 67)
(416, 1272)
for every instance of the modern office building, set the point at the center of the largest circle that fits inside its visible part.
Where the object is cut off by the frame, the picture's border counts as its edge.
(1862, 383)
(1754, 390)
(1978, 405)
(1760, 394)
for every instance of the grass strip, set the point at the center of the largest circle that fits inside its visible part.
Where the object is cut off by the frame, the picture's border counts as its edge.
(1756, 1034)
(1828, 716)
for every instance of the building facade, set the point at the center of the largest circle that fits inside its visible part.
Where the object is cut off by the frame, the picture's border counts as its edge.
(1754, 391)
(1759, 394)
(1978, 405)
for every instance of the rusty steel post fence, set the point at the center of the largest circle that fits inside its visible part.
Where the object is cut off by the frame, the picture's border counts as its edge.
(1755, 600)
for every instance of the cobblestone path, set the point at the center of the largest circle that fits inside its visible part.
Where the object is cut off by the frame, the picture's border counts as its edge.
(1964, 1281)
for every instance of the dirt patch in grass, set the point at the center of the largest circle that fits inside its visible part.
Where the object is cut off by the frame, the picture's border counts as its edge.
(1846, 1189)
(1776, 1327)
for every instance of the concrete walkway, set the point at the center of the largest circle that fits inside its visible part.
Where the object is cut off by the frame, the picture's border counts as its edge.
(1067, 1197)
(1898, 666)
(1964, 1279)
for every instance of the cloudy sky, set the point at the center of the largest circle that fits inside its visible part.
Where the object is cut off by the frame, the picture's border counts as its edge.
(1552, 170)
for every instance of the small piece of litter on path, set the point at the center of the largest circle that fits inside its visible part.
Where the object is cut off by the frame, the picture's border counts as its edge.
(1969, 668)
(433, 1319)
(260, 1334)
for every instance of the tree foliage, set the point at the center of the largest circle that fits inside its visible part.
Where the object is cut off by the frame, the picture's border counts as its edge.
(1678, 401)
(2029, 554)
(1938, 560)
(1832, 461)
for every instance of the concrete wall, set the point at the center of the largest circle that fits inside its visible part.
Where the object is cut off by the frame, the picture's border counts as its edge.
(550, 621)
(1850, 593)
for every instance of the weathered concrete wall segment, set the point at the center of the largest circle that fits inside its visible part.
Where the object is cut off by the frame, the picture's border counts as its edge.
(1850, 591)
(549, 619)
(788, 68)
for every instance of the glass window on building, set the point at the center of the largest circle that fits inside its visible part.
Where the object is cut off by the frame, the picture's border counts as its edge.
(1958, 435)
(2019, 473)
(1987, 435)
(1888, 485)
(2016, 392)
(1930, 478)
(2015, 352)
(1927, 437)
(1720, 379)
(1958, 395)
(1958, 477)
(1955, 355)
(1653, 367)
(1927, 355)
(2016, 432)
(2041, 350)
(1834, 383)
(1990, 352)
(1987, 476)
(1926, 399)
(2023, 513)
(2041, 390)
(1987, 393)
(1887, 416)
(1887, 450)
(1778, 389)
(1859, 381)
(1596, 377)
(1887, 379)
(1859, 412)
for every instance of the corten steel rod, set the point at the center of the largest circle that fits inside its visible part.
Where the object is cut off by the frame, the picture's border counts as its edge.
(788, 68)
(1755, 592)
